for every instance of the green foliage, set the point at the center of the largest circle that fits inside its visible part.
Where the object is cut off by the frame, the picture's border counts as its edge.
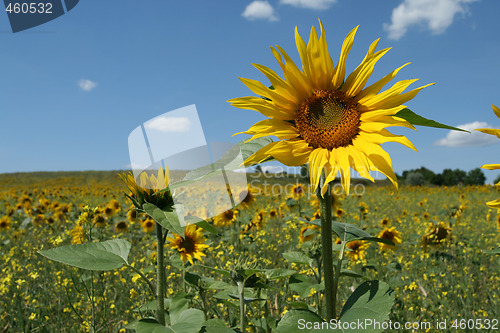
(415, 179)
(103, 256)
(415, 119)
(475, 177)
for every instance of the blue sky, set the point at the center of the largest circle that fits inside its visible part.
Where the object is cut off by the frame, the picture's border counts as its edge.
(73, 89)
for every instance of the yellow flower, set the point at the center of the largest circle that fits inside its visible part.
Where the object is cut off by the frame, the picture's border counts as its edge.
(390, 234)
(189, 246)
(226, 219)
(436, 234)
(5, 222)
(325, 119)
(150, 188)
(148, 225)
(121, 226)
(298, 191)
(494, 203)
(77, 235)
(358, 249)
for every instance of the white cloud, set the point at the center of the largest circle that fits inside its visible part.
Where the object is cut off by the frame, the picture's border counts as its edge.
(86, 85)
(311, 4)
(259, 10)
(463, 139)
(436, 15)
(169, 124)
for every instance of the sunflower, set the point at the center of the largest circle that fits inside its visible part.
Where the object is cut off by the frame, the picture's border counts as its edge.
(385, 222)
(5, 222)
(357, 250)
(436, 234)
(390, 234)
(307, 233)
(149, 188)
(246, 197)
(298, 191)
(191, 245)
(226, 219)
(121, 226)
(325, 119)
(495, 204)
(148, 225)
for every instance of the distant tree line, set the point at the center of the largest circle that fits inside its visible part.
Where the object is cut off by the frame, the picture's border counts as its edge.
(448, 177)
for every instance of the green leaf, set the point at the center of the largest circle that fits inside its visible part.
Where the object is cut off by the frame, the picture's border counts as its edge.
(302, 284)
(216, 270)
(347, 272)
(297, 257)
(349, 232)
(168, 220)
(202, 224)
(371, 301)
(189, 321)
(217, 326)
(415, 119)
(103, 256)
(296, 321)
(279, 273)
(150, 325)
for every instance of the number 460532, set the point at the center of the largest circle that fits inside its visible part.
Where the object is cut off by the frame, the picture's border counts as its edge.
(29, 8)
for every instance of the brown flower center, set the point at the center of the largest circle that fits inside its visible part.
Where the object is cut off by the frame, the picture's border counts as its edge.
(328, 119)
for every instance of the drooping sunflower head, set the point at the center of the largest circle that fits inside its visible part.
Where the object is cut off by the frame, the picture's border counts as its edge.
(357, 250)
(191, 245)
(324, 118)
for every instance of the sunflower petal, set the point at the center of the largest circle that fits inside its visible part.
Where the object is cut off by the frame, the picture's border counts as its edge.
(383, 122)
(377, 86)
(357, 79)
(280, 86)
(258, 88)
(339, 71)
(491, 166)
(490, 131)
(386, 136)
(263, 106)
(494, 204)
(297, 79)
(320, 63)
(317, 160)
(279, 128)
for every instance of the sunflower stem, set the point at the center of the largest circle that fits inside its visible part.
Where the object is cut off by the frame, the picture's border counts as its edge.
(160, 275)
(241, 295)
(325, 203)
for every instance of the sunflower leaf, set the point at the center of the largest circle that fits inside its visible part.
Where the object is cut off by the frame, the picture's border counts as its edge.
(418, 120)
(372, 300)
(103, 256)
(349, 232)
(168, 220)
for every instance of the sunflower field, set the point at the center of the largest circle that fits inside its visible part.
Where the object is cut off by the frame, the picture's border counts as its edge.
(439, 262)
(330, 251)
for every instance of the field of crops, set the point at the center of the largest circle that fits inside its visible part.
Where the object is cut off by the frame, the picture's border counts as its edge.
(439, 270)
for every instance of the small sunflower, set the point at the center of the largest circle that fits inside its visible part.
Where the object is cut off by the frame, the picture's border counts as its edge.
(436, 234)
(385, 222)
(149, 188)
(148, 225)
(322, 118)
(273, 213)
(226, 219)
(121, 226)
(5, 222)
(132, 215)
(99, 221)
(307, 233)
(298, 191)
(495, 204)
(191, 245)
(390, 234)
(358, 250)
(247, 197)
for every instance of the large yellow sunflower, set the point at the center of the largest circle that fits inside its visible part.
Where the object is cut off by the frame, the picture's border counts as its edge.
(322, 118)
(191, 245)
(495, 204)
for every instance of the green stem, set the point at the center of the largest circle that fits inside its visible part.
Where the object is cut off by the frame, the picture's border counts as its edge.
(337, 270)
(141, 274)
(160, 276)
(325, 203)
(241, 291)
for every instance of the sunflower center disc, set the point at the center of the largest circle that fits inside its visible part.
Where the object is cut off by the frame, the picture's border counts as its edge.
(328, 119)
